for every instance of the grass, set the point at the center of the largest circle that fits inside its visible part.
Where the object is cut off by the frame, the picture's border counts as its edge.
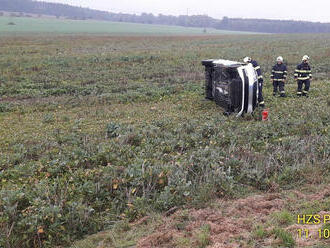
(284, 218)
(122, 235)
(101, 129)
(62, 26)
(203, 236)
(260, 232)
(285, 237)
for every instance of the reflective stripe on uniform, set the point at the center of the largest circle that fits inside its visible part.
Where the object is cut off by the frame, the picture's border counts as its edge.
(262, 102)
(303, 78)
(280, 72)
(278, 79)
(299, 93)
(304, 71)
(282, 92)
(257, 67)
(260, 77)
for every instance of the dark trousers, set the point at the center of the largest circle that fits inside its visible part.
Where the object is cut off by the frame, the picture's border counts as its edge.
(260, 96)
(278, 85)
(300, 86)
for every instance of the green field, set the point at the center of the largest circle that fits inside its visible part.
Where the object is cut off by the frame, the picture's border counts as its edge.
(48, 25)
(100, 131)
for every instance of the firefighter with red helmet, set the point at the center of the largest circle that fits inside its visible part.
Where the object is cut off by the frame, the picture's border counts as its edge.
(303, 75)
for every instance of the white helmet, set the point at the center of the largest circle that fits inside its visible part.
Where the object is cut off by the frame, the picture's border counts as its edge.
(247, 59)
(279, 59)
(305, 58)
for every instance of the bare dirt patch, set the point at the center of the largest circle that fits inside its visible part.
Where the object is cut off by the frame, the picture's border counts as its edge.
(231, 223)
(232, 220)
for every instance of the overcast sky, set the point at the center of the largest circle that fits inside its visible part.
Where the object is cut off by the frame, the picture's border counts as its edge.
(309, 10)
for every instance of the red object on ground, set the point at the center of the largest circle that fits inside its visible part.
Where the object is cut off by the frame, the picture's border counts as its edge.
(265, 115)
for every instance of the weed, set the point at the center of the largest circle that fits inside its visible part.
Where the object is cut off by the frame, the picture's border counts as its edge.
(260, 232)
(285, 237)
(283, 218)
(203, 236)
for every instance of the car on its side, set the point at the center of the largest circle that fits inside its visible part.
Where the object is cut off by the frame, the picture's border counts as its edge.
(232, 85)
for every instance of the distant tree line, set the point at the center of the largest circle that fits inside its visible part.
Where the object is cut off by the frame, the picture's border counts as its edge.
(204, 21)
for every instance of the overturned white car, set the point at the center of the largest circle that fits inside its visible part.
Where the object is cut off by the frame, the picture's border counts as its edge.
(233, 85)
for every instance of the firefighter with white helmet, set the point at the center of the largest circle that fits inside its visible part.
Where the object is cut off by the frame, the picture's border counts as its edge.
(260, 79)
(279, 75)
(303, 75)
(247, 60)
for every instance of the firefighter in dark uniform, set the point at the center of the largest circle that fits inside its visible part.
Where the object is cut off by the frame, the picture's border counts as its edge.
(279, 75)
(260, 79)
(303, 75)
